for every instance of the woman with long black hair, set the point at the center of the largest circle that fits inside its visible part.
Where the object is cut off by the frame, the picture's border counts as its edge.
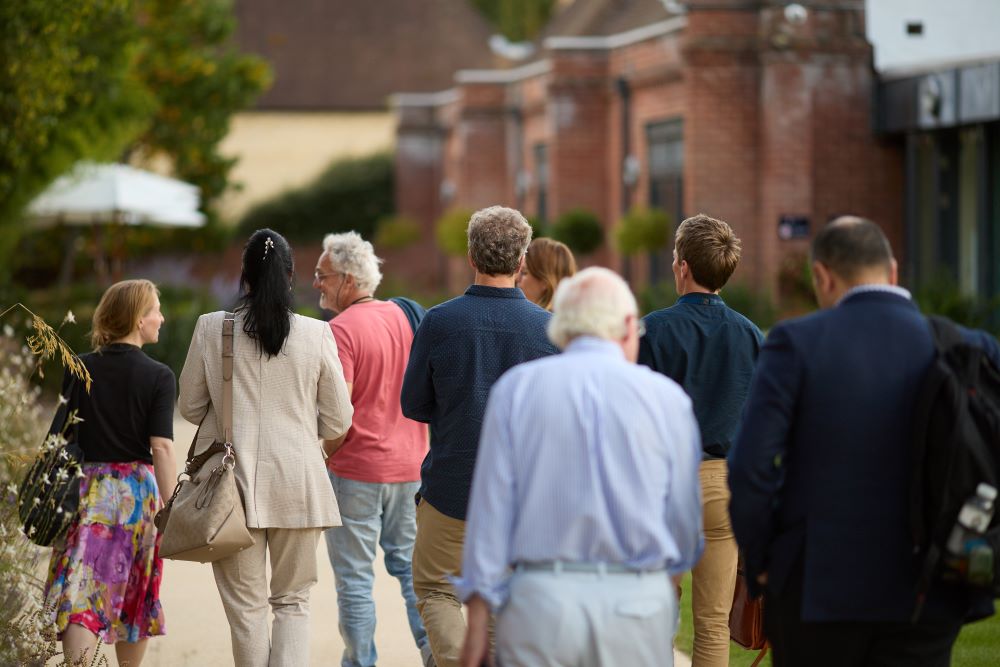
(285, 372)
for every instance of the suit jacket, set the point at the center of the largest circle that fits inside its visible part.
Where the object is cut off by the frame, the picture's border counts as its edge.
(276, 431)
(820, 468)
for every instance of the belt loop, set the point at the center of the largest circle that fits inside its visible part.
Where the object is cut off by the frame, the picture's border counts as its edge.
(557, 567)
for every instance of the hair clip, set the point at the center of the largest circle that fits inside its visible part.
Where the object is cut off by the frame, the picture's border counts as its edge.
(268, 244)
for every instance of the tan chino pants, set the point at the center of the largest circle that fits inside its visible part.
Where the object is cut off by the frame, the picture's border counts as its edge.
(437, 554)
(713, 579)
(243, 586)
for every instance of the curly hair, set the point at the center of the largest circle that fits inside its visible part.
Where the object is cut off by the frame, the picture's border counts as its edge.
(351, 254)
(498, 239)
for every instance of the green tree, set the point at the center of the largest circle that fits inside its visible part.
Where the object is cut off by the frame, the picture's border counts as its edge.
(518, 20)
(68, 91)
(187, 60)
(99, 79)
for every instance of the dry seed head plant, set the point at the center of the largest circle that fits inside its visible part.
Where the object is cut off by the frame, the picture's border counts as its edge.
(26, 632)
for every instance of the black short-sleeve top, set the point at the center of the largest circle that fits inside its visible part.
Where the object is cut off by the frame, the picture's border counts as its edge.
(131, 400)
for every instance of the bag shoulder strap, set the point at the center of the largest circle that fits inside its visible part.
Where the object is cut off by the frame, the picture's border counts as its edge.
(228, 325)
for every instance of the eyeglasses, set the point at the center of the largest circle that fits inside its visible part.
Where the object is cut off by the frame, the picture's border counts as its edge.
(320, 276)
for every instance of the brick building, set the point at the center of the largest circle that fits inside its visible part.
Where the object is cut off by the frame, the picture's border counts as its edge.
(743, 109)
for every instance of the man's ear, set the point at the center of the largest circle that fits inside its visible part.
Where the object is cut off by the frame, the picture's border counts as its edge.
(893, 272)
(520, 265)
(822, 278)
(468, 257)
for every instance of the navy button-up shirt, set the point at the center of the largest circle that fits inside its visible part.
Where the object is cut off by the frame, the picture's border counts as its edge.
(460, 349)
(710, 350)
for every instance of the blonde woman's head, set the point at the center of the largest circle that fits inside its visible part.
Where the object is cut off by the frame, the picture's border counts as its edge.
(126, 308)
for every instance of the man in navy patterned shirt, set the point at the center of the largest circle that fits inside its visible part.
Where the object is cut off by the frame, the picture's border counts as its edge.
(461, 348)
(710, 350)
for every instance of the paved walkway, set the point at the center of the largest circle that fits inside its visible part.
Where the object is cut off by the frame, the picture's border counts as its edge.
(198, 634)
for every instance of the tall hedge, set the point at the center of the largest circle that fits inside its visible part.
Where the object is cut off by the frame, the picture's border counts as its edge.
(350, 194)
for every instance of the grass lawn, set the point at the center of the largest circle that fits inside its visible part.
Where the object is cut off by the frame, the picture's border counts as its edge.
(977, 646)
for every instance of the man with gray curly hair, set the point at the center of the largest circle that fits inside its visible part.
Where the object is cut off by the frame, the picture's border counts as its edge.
(375, 467)
(586, 487)
(460, 349)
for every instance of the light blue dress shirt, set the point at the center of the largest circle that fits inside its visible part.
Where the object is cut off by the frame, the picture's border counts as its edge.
(583, 457)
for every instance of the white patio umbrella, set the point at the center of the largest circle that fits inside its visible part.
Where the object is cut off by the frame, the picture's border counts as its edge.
(99, 195)
(96, 193)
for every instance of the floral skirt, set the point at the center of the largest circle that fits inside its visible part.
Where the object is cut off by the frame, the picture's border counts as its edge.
(107, 575)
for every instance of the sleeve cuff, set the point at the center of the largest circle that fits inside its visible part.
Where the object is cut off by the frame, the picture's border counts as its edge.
(495, 596)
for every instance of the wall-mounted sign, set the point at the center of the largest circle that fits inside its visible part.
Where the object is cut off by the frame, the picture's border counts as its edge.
(793, 227)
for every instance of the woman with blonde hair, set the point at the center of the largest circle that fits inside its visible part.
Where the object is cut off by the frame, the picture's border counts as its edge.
(546, 263)
(104, 581)
(288, 391)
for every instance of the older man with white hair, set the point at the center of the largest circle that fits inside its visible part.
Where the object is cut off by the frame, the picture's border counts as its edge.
(375, 467)
(586, 487)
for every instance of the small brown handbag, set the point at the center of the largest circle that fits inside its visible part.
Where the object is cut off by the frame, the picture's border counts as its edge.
(204, 520)
(746, 618)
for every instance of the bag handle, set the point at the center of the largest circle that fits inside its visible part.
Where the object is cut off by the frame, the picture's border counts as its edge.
(228, 325)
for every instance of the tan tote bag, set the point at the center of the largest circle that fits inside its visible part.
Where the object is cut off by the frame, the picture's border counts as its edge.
(205, 520)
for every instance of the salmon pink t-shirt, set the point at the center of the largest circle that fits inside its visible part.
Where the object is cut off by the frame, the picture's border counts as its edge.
(373, 341)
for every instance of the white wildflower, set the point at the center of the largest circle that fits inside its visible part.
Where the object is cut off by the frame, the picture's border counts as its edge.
(63, 400)
(8, 331)
(70, 317)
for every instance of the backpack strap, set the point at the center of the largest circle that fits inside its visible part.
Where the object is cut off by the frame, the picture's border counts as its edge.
(945, 333)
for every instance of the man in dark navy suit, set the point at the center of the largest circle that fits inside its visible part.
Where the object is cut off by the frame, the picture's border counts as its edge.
(819, 472)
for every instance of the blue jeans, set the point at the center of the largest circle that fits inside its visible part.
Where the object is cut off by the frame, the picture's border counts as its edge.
(372, 513)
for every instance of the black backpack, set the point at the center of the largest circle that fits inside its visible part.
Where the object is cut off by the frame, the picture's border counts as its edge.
(956, 447)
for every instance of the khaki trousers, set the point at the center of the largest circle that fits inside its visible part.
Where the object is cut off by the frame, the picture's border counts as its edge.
(437, 554)
(713, 579)
(243, 586)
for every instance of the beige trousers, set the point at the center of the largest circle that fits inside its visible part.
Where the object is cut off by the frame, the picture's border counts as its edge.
(437, 554)
(713, 579)
(243, 586)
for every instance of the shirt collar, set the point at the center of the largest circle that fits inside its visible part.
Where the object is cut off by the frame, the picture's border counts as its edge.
(595, 344)
(701, 299)
(887, 289)
(496, 292)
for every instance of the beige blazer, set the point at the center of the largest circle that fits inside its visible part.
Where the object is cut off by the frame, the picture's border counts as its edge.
(282, 406)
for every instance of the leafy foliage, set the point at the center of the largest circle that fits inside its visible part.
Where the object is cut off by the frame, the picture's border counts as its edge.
(452, 234)
(580, 229)
(351, 194)
(518, 20)
(187, 60)
(68, 91)
(942, 296)
(99, 79)
(643, 230)
(396, 232)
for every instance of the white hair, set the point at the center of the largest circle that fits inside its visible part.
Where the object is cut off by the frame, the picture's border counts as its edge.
(351, 254)
(594, 302)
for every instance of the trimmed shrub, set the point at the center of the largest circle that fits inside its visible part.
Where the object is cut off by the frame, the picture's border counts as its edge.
(580, 229)
(643, 230)
(396, 232)
(351, 194)
(451, 231)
